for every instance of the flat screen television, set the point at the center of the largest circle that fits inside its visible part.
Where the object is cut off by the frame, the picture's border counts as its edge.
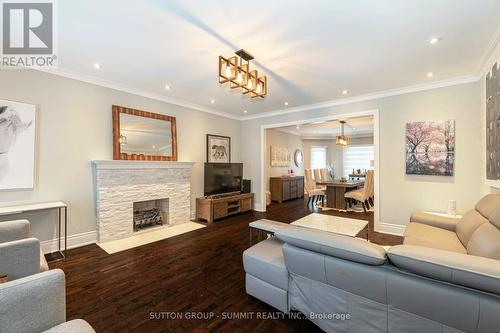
(223, 178)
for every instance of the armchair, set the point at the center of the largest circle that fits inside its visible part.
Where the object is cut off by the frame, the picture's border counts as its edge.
(20, 255)
(37, 303)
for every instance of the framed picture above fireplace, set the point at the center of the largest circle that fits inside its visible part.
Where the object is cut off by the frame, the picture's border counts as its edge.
(142, 135)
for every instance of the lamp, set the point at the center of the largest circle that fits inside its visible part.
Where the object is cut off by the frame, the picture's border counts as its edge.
(342, 140)
(239, 75)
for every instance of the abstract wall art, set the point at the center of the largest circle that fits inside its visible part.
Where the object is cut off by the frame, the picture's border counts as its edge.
(493, 124)
(17, 145)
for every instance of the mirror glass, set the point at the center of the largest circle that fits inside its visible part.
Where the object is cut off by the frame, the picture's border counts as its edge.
(148, 136)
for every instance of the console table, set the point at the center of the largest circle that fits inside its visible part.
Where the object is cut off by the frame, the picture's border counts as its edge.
(61, 207)
(210, 209)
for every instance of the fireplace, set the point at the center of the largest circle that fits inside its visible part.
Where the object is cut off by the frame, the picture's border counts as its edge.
(120, 184)
(150, 213)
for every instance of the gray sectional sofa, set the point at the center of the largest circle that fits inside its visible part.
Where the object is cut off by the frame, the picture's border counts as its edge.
(444, 278)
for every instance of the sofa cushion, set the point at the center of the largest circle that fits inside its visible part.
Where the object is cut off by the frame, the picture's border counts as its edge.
(335, 245)
(265, 261)
(488, 205)
(485, 242)
(467, 270)
(437, 238)
(468, 224)
(73, 326)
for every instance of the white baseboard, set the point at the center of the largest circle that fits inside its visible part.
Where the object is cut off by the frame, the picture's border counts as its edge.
(389, 228)
(77, 240)
(258, 207)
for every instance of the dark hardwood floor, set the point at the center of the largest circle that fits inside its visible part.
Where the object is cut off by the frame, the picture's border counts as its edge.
(200, 271)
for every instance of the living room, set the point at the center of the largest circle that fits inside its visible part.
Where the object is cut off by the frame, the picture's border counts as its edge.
(179, 166)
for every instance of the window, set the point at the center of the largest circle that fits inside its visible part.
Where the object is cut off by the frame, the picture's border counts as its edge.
(357, 157)
(318, 157)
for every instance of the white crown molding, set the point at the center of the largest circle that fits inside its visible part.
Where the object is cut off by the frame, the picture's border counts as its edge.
(490, 54)
(135, 91)
(368, 97)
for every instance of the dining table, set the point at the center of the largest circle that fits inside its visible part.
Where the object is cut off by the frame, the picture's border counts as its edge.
(336, 190)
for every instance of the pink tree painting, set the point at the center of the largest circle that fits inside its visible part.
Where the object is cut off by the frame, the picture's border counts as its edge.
(430, 148)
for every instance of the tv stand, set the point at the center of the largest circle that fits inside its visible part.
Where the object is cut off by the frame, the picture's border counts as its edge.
(210, 209)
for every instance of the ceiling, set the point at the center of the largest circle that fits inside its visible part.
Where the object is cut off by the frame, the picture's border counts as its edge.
(355, 127)
(310, 51)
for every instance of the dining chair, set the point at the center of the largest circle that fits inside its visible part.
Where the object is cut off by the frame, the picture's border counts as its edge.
(362, 195)
(317, 175)
(324, 175)
(314, 193)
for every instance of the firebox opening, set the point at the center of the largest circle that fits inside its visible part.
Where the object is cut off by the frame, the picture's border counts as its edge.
(150, 213)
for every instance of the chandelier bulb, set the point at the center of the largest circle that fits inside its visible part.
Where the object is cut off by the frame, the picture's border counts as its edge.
(239, 78)
(229, 71)
(258, 90)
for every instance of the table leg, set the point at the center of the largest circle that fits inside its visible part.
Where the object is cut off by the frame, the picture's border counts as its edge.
(59, 217)
(65, 231)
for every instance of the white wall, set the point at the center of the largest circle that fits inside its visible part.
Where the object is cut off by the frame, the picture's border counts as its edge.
(401, 194)
(292, 142)
(75, 127)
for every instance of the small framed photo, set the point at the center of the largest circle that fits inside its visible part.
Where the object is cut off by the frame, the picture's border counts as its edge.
(17, 145)
(218, 149)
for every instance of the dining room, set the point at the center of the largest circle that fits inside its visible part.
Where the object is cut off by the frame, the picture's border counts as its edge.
(330, 164)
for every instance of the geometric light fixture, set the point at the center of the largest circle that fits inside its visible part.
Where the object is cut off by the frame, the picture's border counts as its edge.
(342, 140)
(237, 73)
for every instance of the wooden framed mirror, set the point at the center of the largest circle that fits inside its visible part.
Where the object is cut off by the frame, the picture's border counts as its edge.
(141, 135)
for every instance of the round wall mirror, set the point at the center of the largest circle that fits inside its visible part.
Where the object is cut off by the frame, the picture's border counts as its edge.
(298, 158)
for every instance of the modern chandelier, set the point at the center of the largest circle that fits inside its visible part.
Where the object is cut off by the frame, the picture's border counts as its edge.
(239, 75)
(342, 140)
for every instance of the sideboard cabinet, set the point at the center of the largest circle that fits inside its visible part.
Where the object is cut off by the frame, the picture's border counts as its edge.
(286, 188)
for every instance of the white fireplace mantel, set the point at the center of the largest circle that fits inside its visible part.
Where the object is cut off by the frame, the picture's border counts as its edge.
(118, 184)
(125, 164)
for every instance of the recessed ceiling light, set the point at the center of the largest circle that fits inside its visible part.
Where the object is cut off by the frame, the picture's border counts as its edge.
(167, 87)
(430, 74)
(97, 65)
(286, 103)
(245, 111)
(212, 101)
(344, 92)
(434, 40)
(297, 127)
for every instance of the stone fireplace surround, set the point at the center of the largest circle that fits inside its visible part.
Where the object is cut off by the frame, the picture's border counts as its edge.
(118, 184)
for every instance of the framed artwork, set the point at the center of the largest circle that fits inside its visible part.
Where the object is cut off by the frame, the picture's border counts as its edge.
(430, 148)
(17, 145)
(218, 149)
(493, 124)
(280, 156)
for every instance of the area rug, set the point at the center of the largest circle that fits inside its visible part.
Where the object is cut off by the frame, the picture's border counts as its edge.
(147, 237)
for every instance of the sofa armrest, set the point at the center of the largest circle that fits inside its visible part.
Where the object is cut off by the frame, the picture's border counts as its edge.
(34, 303)
(14, 230)
(463, 269)
(438, 221)
(334, 245)
(20, 258)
